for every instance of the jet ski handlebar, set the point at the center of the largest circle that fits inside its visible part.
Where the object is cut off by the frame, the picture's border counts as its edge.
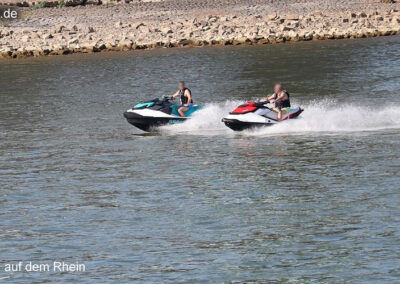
(167, 98)
(261, 103)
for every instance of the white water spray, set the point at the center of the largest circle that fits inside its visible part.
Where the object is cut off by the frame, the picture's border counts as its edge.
(206, 121)
(325, 116)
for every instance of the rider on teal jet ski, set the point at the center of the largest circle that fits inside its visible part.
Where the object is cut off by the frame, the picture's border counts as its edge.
(186, 98)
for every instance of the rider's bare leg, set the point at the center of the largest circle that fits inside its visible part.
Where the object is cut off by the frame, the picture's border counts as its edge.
(280, 114)
(182, 110)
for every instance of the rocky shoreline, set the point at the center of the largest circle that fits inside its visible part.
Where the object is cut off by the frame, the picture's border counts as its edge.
(174, 23)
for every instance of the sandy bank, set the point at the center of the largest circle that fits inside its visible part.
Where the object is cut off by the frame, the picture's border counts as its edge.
(178, 23)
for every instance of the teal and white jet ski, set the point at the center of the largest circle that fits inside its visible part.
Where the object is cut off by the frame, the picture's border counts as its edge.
(147, 116)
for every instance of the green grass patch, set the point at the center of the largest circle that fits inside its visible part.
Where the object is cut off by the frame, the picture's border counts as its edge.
(4, 24)
(61, 4)
(41, 4)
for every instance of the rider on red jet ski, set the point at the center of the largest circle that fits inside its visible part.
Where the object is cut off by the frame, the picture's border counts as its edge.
(281, 98)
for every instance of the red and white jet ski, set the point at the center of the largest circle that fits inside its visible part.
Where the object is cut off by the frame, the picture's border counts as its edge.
(256, 114)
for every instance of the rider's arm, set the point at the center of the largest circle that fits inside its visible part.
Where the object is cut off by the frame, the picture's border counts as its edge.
(270, 97)
(175, 95)
(189, 96)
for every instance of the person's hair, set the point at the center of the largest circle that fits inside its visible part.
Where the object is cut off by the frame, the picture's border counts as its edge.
(181, 82)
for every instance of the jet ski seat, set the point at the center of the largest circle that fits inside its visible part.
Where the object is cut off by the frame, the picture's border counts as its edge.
(187, 113)
(271, 114)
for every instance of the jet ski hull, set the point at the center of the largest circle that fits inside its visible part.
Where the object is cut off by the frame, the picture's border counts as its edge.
(148, 123)
(237, 125)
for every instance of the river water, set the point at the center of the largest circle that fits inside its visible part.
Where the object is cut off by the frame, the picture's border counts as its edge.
(311, 200)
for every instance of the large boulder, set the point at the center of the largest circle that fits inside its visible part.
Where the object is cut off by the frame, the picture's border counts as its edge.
(126, 44)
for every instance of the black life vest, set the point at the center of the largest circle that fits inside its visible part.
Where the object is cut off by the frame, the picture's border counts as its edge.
(284, 103)
(184, 99)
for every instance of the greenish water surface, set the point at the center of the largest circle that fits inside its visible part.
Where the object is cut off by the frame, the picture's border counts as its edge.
(311, 200)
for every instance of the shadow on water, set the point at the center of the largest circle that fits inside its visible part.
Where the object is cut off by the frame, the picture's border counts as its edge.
(147, 134)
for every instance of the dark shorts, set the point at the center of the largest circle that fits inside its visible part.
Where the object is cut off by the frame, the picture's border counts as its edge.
(189, 106)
